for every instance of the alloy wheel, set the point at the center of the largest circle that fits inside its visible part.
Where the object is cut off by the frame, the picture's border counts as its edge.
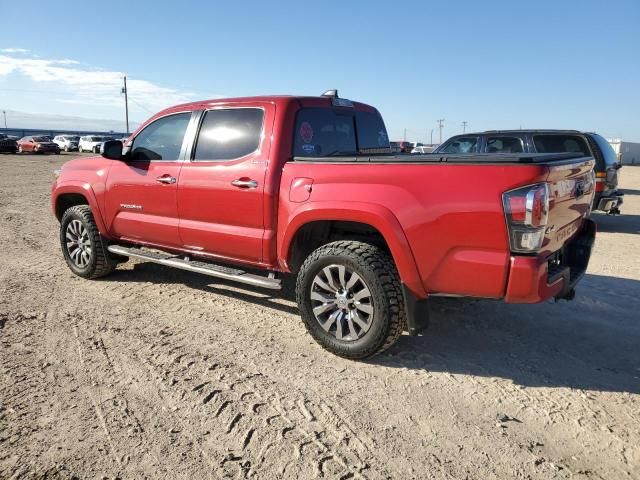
(78, 243)
(342, 302)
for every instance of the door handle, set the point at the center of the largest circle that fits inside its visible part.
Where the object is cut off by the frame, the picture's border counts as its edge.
(244, 183)
(168, 179)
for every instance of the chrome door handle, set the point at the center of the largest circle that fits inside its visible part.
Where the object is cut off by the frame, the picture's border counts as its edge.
(245, 183)
(166, 179)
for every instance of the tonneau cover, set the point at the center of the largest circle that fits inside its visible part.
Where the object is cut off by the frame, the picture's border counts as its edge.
(474, 158)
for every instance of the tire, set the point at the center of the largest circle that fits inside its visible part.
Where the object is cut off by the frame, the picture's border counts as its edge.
(96, 261)
(383, 298)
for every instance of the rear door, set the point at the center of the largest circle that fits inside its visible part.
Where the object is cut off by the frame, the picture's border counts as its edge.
(221, 188)
(141, 192)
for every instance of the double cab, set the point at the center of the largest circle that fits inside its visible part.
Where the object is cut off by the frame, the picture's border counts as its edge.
(252, 189)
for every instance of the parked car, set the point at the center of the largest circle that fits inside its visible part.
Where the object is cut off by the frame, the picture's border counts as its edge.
(90, 143)
(7, 144)
(279, 185)
(68, 143)
(37, 144)
(607, 197)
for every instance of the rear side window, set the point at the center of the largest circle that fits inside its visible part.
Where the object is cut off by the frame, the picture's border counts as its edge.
(161, 139)
(461, 145)
(504, 145)
(556, 143)
(228, 134)
(327, 131)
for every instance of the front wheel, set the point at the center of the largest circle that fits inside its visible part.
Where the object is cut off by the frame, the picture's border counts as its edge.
(82, 245)
(350, 299)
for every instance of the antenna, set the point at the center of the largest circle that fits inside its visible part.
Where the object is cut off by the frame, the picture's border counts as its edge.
(331, 93)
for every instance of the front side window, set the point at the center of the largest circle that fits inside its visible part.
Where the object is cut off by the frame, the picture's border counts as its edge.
(504, 145)
(162, 139)
(559, 143)
(228, 134)
(461, 145)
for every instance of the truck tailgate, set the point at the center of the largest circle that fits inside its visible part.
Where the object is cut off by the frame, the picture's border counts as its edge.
(572, 187)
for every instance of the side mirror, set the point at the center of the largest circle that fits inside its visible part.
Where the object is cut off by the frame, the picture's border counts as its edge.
(112, 149)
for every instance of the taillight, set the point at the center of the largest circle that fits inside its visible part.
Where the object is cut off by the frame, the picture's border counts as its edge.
(601, 178)
(527, 211)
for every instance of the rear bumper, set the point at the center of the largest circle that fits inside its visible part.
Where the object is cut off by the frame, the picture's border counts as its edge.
(536, 279)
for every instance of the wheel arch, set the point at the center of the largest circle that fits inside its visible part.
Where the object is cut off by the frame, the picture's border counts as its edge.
(69, 194)
(317, 224)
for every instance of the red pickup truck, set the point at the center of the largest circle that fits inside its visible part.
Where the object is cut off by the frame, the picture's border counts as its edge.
(250, 189)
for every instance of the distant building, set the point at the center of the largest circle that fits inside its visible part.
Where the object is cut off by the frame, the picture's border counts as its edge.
(628, 153)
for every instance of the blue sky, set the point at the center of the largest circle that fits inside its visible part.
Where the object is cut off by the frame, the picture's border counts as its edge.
(494, 64)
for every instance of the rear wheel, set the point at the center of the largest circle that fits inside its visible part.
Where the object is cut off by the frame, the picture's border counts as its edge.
(83, 247)
(350, 299)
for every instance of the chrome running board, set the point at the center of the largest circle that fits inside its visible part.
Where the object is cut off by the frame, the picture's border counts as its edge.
(211, 269)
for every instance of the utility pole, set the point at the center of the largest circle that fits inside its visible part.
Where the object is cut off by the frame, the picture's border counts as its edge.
(464, 126)
(126, 103)
(5, 118)
(440, 126)
(431, 137)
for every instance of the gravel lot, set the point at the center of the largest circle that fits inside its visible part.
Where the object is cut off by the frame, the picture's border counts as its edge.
(157, 373)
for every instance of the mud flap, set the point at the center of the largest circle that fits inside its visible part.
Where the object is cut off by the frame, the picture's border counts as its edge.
(417, 311)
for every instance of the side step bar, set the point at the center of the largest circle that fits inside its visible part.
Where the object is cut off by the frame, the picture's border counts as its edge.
(213, 270)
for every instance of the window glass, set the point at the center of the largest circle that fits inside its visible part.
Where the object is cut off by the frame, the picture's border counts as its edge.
(162, 139)
(504, 145)
(229, 134)
(460, 145)
(557, 143)
(609, 154)
(323, 131)
(372, 133)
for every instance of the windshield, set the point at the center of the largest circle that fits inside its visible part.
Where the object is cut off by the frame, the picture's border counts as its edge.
(41, 139)
(95, 139)
(608, 152)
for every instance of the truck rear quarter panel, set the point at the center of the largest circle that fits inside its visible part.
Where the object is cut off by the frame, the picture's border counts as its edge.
(450, 217)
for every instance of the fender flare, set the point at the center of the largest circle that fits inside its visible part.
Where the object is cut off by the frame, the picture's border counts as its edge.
(84, 189)
(376, 216)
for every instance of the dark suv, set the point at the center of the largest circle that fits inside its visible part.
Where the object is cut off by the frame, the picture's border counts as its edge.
(607, 198)
(7, 144)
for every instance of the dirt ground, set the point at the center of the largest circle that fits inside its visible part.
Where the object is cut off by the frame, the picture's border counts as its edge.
(161, 374)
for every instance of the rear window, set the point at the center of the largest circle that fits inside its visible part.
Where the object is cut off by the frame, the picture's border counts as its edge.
(460, 145)
(504, 145)
(327, 131)
(609, 154)
(558, 143)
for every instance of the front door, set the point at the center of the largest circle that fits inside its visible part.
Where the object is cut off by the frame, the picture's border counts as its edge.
(141, 191)
(221, 190)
